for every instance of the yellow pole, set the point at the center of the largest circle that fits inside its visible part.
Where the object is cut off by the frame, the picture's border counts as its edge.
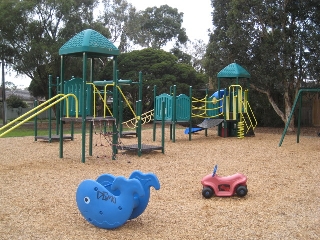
(240, 100)
(234, 108)
(227, 107)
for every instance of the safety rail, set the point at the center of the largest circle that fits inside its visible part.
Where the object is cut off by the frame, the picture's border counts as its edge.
(205, 109)
(63, 97)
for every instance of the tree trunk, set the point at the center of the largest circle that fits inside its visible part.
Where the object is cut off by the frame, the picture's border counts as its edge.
(283, 115)
(288, 109)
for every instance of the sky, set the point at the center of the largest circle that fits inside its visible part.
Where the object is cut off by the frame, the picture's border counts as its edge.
(196, 20)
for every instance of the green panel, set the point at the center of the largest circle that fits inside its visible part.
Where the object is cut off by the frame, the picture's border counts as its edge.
(74, 86)
(183, 107)
(167, 99)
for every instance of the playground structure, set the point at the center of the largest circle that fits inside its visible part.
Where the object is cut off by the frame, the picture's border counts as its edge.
(299, 99)
(75, 99)
(110, 201)
(76, 102)
(227, 108)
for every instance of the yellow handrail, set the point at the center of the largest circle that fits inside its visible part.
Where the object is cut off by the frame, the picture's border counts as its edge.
(35, 114)
(34, 109)
(127, 102)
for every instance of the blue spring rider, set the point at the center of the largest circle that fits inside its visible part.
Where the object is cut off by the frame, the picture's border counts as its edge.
(110, 201)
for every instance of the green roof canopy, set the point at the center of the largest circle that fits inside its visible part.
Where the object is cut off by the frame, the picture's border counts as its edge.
(233, 70)
(91, 42)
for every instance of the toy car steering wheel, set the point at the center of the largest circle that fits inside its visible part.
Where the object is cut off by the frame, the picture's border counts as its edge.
(214, 170)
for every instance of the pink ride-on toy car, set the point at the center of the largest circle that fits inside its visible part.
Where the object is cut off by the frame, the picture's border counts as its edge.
(224, 186)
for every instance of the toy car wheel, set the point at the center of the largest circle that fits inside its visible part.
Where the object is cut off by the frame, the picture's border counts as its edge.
(242, 191)
(207, 192)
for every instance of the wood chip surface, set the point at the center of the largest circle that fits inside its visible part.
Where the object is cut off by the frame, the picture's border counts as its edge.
(37, 188)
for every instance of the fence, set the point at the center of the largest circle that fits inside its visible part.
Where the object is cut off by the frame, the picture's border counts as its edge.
(13, 113)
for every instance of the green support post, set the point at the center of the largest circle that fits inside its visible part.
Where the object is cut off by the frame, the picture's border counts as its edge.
(140, 95)
(225, 129)
(91, 108)
(154, 120)
(174, 113)
(83, 109)
(61, 108)
(162, 125)
(190, 118)
(138, 107)
(121, 118)
(115, 109)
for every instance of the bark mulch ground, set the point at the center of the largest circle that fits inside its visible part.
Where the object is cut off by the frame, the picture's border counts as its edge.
(38, 188)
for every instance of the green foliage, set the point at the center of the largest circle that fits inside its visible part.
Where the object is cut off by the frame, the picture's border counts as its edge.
(158, 26)
(37, 29)
(159, 68)
(276, 41)
(15, 101)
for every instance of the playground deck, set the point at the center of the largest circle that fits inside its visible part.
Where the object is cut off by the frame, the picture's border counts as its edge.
(54, 137)
(144, 147)
(89, 119)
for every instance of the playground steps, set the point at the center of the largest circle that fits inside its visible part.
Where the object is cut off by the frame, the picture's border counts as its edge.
(248, 127)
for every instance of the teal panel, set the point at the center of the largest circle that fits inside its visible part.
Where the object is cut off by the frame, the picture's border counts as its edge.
(183, 107)
(74, 86)
(164, 97)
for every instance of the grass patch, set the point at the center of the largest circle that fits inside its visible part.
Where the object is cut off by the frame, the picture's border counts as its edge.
(23, 132)
(28, 130)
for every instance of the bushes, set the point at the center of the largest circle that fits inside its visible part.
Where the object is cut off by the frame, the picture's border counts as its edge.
(15, 101)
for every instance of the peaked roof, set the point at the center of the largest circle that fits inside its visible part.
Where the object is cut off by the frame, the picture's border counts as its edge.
(233, 70)
(91, 42)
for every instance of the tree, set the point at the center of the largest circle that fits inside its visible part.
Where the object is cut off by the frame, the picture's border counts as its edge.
(119, 17)
(195, 50)
(40, 29)
(158, 26)
(272, 40)
(159, 68)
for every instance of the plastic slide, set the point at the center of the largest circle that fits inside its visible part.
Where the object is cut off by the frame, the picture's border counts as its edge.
(193, 130)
